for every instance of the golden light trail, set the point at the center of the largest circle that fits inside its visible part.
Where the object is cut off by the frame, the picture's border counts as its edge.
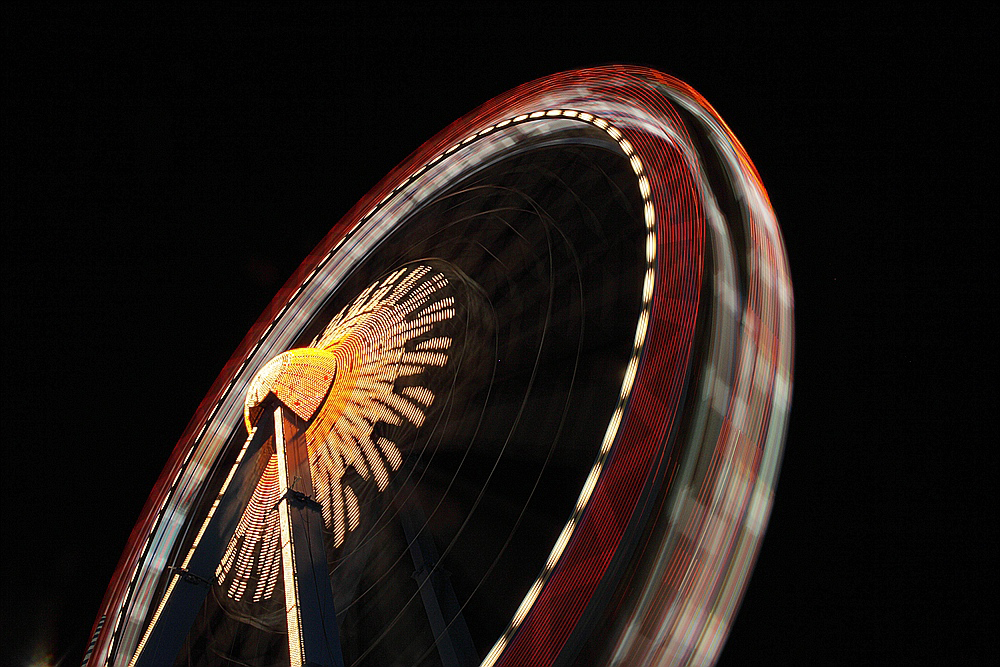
(344, 383)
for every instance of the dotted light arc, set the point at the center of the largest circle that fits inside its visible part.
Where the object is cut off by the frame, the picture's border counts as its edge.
(333, 337)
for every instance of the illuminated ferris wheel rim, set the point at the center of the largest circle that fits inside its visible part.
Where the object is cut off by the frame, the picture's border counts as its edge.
(673, 242)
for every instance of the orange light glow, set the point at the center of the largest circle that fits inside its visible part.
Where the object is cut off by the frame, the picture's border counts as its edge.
(300, 378)
(343, 385)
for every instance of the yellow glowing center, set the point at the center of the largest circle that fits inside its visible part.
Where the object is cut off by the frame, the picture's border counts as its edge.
(300, 378)
(366, 368)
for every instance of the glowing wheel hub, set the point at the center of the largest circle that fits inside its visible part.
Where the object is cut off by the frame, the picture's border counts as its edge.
(301, 379)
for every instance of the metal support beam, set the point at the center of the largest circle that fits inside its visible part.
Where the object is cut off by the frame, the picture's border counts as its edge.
(313, 635)
(187, 589)
(454, 643)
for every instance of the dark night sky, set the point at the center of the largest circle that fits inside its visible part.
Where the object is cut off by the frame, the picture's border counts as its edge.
(165, 171)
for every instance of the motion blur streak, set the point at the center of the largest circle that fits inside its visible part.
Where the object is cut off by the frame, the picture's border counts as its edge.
(707, 418)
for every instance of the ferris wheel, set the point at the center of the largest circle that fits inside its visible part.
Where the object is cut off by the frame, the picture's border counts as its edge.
(524, 404)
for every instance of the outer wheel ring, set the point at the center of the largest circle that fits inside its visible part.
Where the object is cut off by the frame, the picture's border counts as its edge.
(703, 401)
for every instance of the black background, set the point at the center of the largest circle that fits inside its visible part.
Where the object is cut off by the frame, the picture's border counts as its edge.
(165, 170)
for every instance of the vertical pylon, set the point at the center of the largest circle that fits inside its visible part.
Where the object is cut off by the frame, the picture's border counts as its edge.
(313, 635)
